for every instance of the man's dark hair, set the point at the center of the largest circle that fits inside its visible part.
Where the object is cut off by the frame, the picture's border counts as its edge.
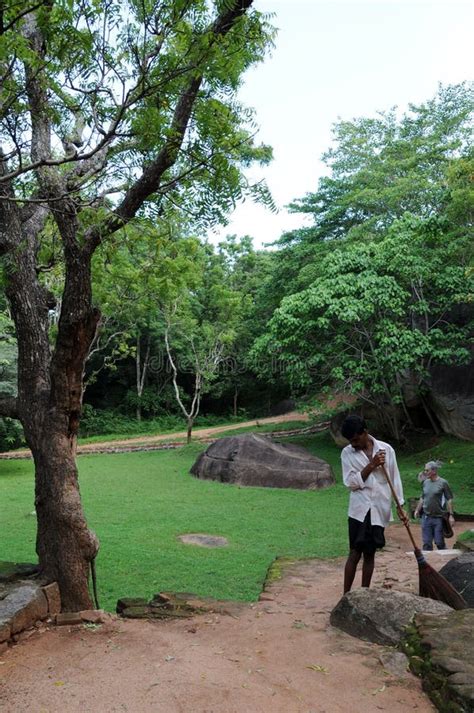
(352, 426)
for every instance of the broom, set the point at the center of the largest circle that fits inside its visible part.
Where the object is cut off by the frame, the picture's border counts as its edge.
(432, 584)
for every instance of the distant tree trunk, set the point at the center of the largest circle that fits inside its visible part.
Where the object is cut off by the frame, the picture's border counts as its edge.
(193, 411)
(141, 371)
(236, 396)
(190, 425)
(428, 412)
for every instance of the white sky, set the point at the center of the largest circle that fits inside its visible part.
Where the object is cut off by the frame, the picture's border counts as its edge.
(341, 59)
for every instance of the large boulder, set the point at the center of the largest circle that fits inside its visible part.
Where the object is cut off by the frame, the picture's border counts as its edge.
(460, 573)
(381, 615)
(255, 460)
(451, 397)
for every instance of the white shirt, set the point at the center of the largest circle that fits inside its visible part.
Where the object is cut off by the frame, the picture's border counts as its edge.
(374, 494)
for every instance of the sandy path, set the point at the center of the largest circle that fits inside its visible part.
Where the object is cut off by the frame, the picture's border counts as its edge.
(264, 659)
(198, 433)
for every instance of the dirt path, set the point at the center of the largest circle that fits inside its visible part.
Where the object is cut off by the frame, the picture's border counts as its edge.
(198, 434)
(276, 656)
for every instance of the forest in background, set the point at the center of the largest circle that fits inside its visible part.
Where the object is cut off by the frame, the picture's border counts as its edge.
(365, 301)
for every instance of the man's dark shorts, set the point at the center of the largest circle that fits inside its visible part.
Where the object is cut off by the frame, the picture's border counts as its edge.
(365, 537)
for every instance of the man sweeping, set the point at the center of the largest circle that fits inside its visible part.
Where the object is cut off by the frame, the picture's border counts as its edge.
(370, 499)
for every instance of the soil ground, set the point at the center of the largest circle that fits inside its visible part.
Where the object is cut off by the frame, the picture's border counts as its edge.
(279, 655)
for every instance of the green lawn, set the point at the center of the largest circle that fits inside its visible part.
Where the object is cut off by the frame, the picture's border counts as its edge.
(139, 502)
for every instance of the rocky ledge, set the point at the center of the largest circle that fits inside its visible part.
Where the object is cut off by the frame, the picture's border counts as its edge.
(441, 650)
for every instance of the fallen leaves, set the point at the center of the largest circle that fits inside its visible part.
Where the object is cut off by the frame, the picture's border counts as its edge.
(318, 668)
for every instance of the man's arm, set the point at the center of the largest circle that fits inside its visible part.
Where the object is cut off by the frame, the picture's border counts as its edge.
(418, 507)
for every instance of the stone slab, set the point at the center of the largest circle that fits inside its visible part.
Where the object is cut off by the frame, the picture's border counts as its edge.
(381, 615)
(24, 605)
(441, 650)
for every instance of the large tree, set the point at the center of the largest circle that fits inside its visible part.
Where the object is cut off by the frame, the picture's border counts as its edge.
(105, 108)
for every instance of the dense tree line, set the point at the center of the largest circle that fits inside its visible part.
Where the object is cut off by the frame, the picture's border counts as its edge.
(363, 302)
(379, 289)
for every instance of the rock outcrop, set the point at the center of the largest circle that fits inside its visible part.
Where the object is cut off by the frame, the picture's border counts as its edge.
(440, 650)
(255, 460)
(379, 615)
(451, 397)
(24, 602)
(460, 573)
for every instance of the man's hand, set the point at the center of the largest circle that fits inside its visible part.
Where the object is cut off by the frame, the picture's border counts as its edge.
(378, 459)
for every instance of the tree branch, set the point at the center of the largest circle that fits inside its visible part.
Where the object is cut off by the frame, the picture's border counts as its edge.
(149, 181)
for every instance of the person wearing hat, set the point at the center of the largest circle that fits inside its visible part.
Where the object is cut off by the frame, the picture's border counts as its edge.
(435, 503)
(370, 499)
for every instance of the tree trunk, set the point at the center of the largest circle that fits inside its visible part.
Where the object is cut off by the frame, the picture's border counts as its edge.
(65, 546)
(236, 396)
(189, 431)
(427, 410)
(141, 370)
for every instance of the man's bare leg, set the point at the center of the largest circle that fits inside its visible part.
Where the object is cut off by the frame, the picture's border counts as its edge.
(350, 569)
(368, 568)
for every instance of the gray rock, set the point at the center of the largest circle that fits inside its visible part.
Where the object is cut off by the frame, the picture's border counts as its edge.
(394, 662)
(451, 397)
(203, 540)
(379, 615)
(259, 461)
(22, 607)
(460, 573)
(444, 647)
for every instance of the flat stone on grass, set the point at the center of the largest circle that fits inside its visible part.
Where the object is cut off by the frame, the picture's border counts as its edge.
(203, 540)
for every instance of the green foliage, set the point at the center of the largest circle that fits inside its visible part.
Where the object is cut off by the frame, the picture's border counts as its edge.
(381, 168)
(11, 434)
(376, 312)
(113, 73)
(379, 289)
(102, 422)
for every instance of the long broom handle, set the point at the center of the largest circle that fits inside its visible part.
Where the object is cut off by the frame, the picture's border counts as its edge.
(399, 507)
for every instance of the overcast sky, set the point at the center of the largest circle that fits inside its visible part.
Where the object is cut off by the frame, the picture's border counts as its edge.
(341, 59)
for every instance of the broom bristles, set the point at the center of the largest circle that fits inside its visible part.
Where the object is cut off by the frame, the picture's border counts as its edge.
(434, 586)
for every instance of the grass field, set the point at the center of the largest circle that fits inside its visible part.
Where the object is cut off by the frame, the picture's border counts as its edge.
(138, 503)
